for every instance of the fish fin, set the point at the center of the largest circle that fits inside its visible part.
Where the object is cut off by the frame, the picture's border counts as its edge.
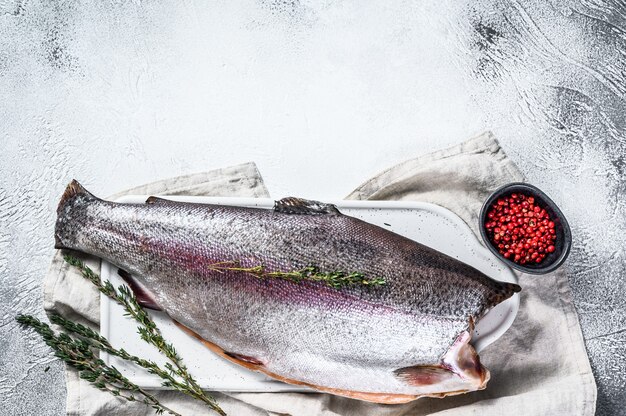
(67, 202)
(157, 200)
(460, 364)
(73, 189)
(471, 324)
(244, 358)
(386, 398)
(423, 375)
(144, 297)
(462, 360)
(292, 205)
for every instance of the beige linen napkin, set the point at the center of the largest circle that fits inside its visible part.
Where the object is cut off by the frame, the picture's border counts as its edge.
(539, 367)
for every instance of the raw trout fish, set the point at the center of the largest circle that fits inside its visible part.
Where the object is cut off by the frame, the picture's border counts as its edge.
(392, 342)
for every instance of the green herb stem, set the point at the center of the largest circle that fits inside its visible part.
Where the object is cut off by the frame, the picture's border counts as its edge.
(151, 334)
(78, 353)
(335, 279)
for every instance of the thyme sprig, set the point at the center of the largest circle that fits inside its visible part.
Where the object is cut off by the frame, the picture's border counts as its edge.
(152, 335)
(79, 352)
(99, 342)
(335, 279)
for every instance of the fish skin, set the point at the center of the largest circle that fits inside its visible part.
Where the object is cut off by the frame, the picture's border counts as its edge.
(407, 338)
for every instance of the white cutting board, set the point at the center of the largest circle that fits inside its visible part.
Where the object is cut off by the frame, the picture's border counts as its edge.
(428, 224)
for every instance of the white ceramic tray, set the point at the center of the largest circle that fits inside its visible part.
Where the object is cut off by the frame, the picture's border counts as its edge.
(428, 224)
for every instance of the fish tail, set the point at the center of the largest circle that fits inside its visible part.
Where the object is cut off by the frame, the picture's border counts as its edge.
(71, 191)
(75, 195)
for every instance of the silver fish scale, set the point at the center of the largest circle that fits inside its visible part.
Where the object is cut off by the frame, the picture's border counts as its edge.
(349, 338)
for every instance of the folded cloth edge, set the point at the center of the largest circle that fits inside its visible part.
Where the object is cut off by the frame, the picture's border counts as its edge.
(485, 142)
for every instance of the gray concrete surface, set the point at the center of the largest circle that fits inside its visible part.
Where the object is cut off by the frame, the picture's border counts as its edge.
(321, 95)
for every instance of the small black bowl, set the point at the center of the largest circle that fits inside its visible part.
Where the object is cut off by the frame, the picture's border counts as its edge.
(563, 240)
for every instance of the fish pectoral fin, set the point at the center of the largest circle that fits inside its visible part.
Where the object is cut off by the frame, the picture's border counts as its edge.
(145, 298)
(463, 360)
(299, 206)
(423, 375)
(459, 369)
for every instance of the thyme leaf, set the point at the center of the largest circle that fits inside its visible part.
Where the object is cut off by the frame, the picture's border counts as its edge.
(335, 279)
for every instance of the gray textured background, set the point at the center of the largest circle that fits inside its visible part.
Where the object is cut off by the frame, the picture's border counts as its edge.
(321, 95)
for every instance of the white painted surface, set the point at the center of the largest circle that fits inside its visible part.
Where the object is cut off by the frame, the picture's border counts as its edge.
(321, 95)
